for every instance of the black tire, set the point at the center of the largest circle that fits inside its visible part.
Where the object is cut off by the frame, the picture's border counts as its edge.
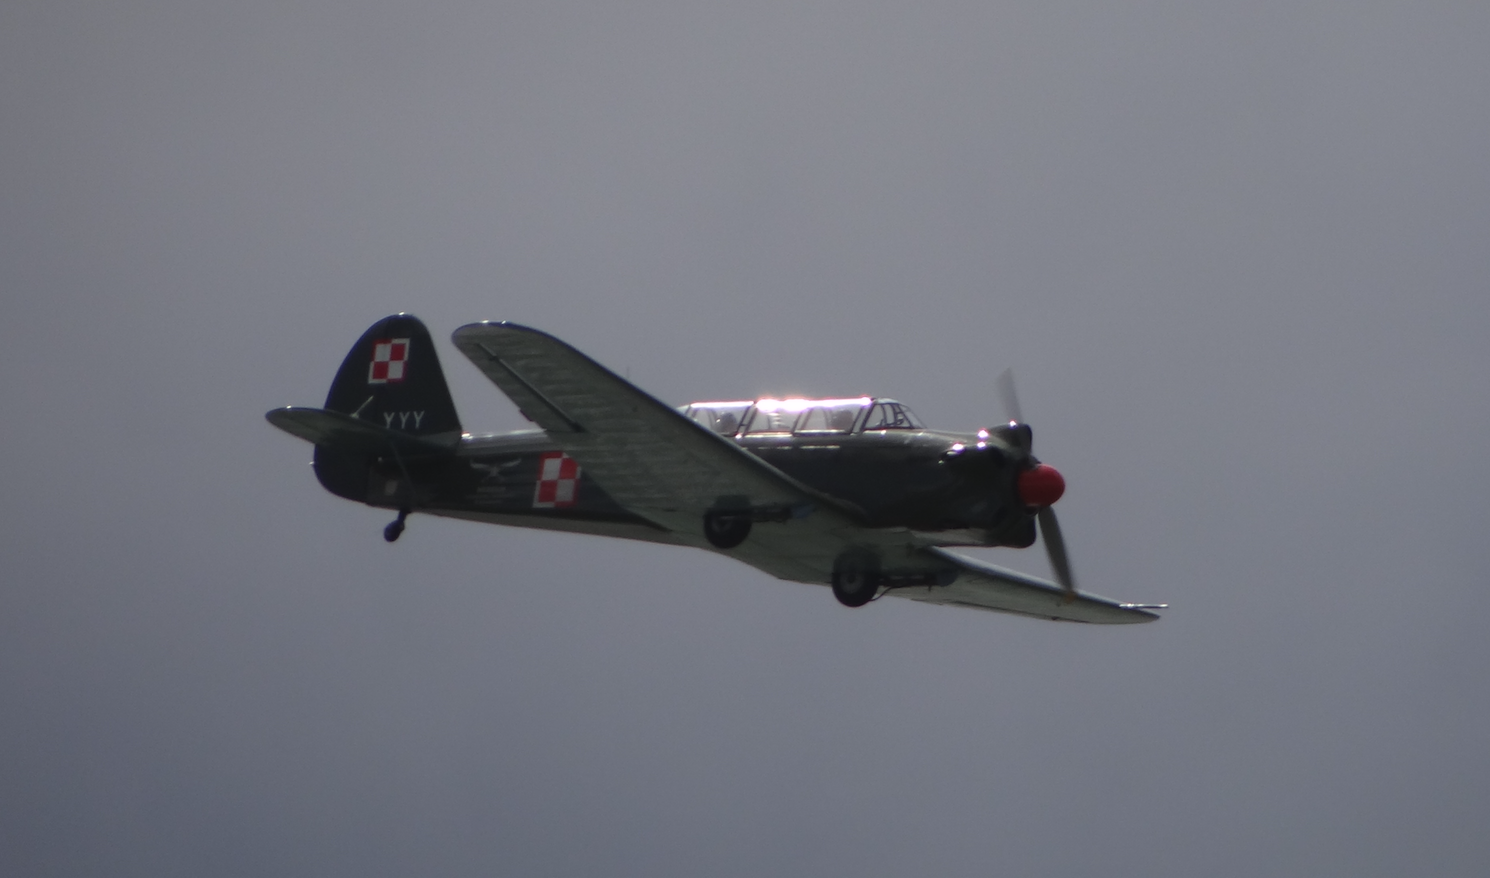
(855, 581)
(726, 530)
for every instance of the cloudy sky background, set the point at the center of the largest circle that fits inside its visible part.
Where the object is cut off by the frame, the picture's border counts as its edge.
(1237, 254)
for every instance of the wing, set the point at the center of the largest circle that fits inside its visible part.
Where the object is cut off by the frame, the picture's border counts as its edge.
(668, 469)
(654, 461)
(986, 587)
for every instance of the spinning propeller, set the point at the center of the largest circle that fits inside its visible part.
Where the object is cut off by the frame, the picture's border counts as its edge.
(1038, 486)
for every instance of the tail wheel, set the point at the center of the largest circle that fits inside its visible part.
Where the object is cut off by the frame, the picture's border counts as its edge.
(395, 527)
(726, 530)
(855, 581)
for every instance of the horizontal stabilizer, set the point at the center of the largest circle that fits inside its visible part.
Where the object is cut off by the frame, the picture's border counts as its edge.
(349, 435)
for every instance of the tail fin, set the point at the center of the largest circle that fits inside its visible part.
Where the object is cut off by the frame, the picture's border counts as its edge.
(388, 417)
(392, 378)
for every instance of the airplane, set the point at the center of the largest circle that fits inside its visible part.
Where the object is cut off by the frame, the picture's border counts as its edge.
(853, 493)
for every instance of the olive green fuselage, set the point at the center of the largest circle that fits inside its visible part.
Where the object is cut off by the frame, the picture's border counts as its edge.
(922, 480)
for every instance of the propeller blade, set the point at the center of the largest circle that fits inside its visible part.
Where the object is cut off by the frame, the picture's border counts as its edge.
(1005, 386)
(1055, 547)
(1040, 492)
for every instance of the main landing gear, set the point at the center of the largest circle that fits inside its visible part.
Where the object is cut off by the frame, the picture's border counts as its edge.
(725, 530)
(856, 579)
(395, 527)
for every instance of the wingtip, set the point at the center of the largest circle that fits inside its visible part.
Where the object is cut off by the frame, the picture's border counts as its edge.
(489, 324)
(1145, 612)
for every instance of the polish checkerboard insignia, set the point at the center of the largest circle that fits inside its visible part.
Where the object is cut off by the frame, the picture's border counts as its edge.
(390, 361)
(558, 481)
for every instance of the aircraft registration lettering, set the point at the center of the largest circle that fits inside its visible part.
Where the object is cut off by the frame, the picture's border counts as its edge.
(558, 481)
(403, 419)
(390, 361)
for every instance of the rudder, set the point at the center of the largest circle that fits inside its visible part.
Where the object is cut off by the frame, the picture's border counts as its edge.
(392, 378)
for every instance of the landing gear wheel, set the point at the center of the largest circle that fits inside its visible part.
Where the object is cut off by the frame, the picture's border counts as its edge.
(395, 527)
(855, 581)
(725, 530)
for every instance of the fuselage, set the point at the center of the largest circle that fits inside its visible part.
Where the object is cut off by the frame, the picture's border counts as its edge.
(868, 455)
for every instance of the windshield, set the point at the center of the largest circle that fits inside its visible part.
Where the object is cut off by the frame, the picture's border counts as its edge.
(891, 416)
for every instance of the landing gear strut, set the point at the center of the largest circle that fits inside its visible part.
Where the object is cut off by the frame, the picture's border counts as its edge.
(395, 527)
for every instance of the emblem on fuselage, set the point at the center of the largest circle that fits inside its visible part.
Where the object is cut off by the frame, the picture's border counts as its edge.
(558, 481)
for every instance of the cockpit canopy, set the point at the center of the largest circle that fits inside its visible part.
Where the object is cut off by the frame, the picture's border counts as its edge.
(801, 416)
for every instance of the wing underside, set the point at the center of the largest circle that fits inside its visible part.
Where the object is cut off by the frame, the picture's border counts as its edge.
(987, 587)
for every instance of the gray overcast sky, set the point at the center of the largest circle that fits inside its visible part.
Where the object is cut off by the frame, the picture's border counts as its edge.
(1236, 252)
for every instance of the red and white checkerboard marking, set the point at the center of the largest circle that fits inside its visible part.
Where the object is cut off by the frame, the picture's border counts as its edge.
(558, 481)
(390, 361)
